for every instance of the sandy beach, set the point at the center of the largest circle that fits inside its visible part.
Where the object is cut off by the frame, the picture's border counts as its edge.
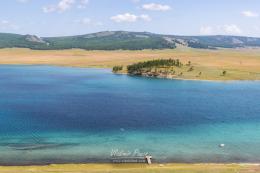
(130, 168)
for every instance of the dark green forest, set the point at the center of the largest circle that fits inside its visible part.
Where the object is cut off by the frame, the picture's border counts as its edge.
(147, 66)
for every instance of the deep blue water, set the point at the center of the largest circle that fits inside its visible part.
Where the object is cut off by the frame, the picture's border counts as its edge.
(63, 115)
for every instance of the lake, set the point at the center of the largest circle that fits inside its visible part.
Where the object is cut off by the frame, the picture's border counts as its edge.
(75, 115)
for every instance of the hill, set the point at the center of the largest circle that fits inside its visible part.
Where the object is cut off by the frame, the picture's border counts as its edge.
(219, 41)
(21, 41)
(115, 40)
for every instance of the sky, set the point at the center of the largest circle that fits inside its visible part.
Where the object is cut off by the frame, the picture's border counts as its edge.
(176, 17)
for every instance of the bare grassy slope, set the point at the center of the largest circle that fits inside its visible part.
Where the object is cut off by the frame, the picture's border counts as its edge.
(240, 64)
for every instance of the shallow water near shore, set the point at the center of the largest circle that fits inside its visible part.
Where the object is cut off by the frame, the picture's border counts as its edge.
(76, 115)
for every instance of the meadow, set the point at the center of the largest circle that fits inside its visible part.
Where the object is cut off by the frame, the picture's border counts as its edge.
(239, 64)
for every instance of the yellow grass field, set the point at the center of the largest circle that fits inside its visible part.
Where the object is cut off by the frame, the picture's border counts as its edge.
(240, 64)
(134, 168)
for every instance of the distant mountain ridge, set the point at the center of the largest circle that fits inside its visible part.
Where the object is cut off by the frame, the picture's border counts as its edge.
(115, 40)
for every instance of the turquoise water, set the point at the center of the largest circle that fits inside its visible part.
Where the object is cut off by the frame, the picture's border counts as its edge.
(74, 115)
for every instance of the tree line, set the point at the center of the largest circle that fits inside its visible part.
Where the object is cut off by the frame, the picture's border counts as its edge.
(137, 67)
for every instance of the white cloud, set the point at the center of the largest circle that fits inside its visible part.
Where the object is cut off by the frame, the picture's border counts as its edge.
(127, 17)
(231, 29)
(63, 5)
(250, 14)
(156, 7)
(206, 30)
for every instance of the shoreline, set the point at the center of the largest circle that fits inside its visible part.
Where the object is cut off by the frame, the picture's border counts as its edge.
(132, 164)
(144, 76)
(183, 79)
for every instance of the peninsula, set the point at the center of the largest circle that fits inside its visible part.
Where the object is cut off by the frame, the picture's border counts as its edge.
(202, 57)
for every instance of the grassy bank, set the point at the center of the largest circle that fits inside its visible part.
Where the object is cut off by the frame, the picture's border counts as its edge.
(240, 64)
(135, 168)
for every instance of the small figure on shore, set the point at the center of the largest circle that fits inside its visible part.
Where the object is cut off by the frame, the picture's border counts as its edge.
(149, 159)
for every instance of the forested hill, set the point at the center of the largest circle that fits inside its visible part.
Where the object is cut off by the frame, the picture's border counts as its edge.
(115, 40)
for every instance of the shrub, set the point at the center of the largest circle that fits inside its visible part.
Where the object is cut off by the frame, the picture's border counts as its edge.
(117, 68)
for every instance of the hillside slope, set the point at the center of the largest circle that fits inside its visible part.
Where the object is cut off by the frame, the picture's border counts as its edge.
(115, 40)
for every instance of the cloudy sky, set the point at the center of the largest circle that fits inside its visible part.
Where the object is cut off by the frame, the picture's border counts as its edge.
(181, 17)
